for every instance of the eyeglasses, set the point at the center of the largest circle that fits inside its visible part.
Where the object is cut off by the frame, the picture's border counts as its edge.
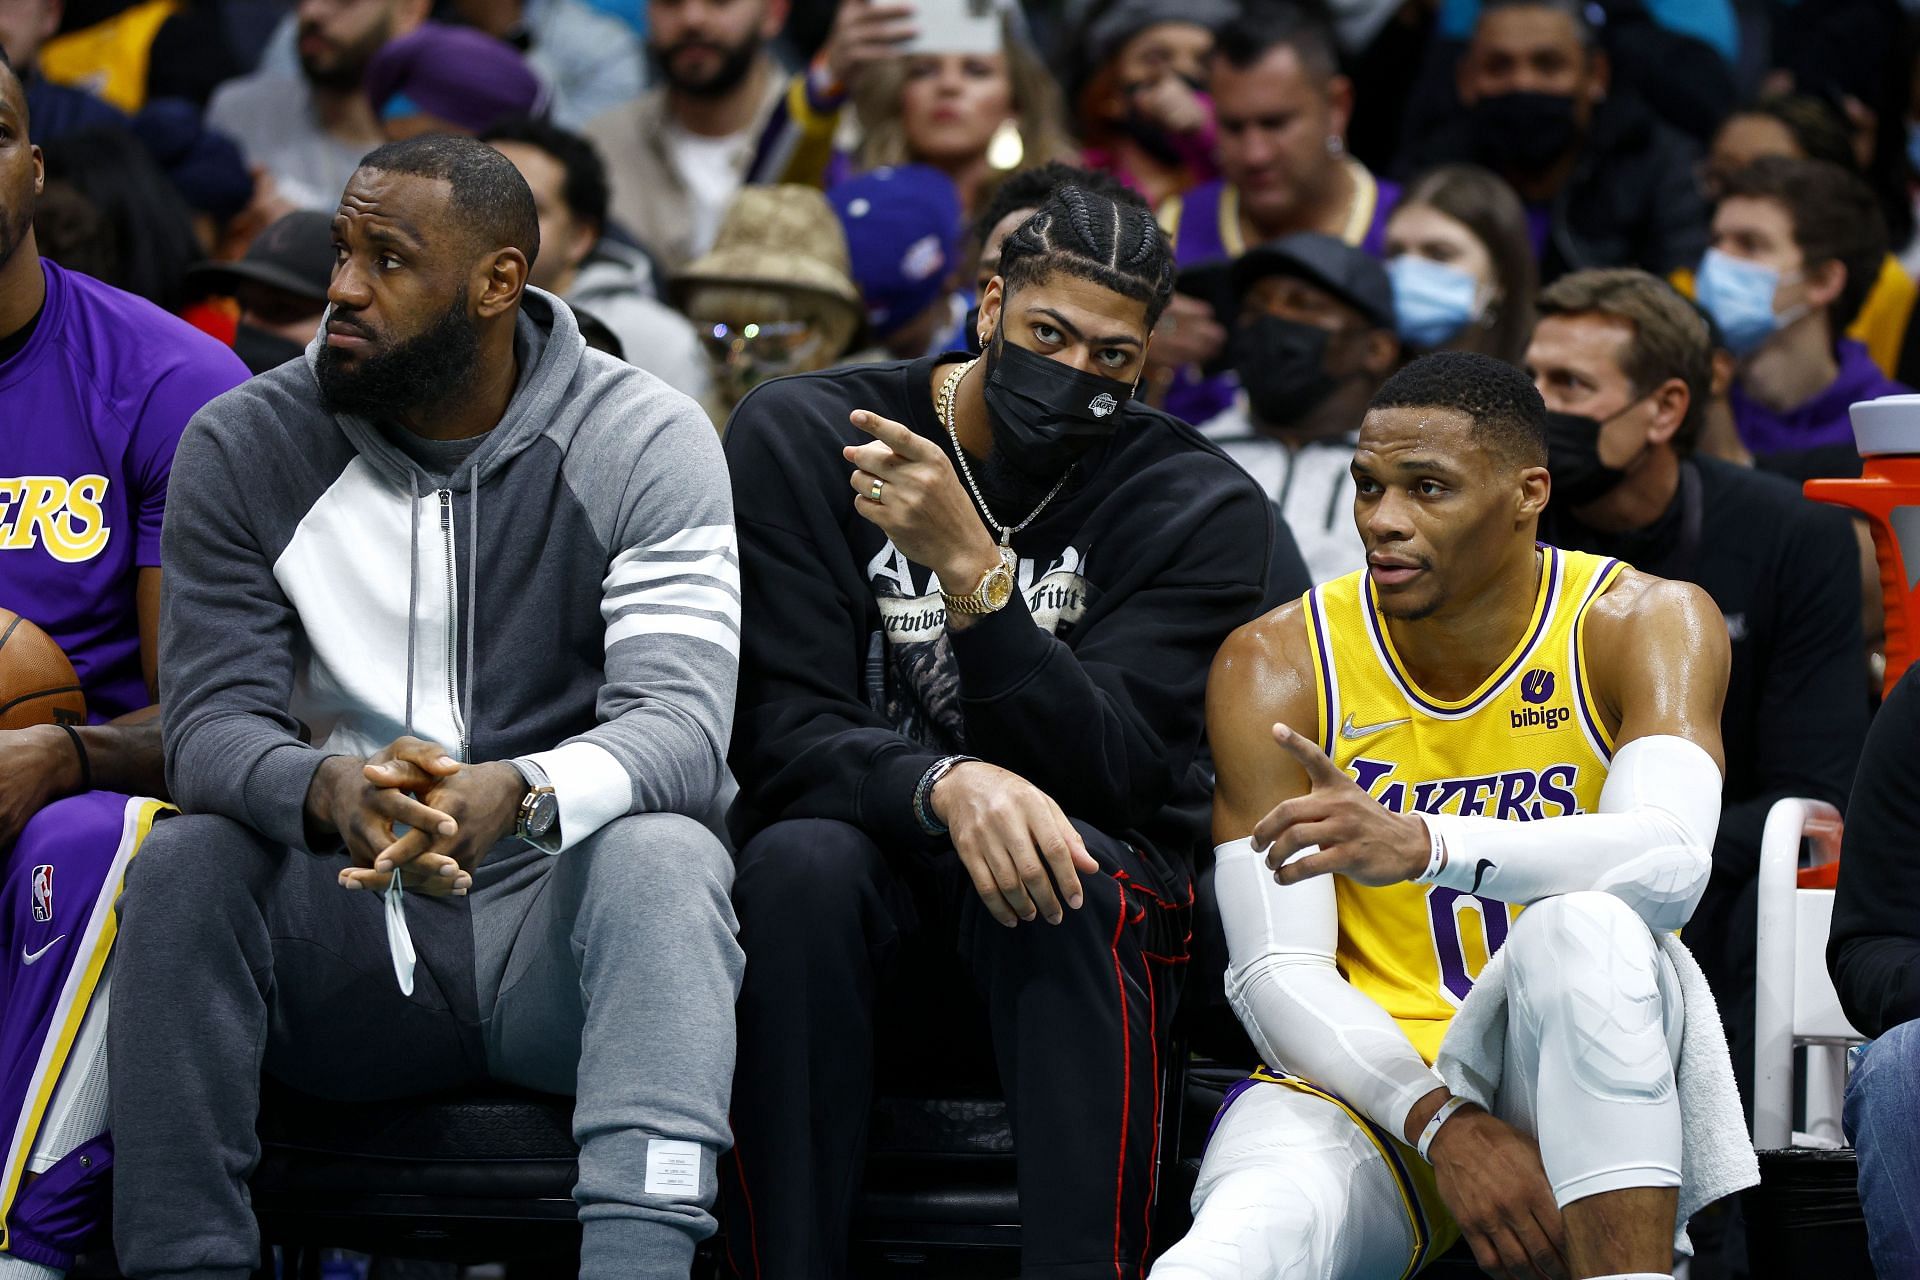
(775, 343)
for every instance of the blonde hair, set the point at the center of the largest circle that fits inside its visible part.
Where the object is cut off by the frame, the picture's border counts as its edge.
(1038, 110)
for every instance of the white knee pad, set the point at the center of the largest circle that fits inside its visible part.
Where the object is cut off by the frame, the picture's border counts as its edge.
(1594, 1034)
(1586, 964)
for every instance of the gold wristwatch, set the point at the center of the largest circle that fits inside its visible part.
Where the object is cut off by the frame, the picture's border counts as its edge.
(995, 589)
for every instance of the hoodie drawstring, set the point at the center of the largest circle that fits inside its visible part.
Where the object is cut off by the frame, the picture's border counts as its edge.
(473, 593)
(413, 584)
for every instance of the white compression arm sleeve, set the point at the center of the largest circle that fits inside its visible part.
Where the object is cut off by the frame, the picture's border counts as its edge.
(1650, 844)
(1302, 1015)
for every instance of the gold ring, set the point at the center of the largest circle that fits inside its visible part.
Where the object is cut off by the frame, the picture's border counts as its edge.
(873, 494)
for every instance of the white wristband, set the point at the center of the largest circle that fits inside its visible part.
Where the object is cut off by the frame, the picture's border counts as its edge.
(1436, 853)
(1440, 1117)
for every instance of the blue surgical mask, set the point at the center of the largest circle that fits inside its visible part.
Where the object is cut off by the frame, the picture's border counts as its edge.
(1739, 294)
(1432, 302)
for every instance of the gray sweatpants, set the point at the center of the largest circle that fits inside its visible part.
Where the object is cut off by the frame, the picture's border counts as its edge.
(608, 972)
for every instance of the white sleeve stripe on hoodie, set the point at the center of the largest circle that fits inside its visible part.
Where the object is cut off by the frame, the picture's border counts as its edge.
(723, 566)
(686, 585)
(697, 595)
(690, 626)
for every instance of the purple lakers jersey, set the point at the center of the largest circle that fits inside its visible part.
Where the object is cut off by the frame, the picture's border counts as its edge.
(90, 411)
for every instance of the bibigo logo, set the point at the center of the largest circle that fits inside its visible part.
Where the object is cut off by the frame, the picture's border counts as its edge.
(1536, 687)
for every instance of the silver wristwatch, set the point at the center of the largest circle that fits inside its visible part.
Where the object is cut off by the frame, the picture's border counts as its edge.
(539, 820)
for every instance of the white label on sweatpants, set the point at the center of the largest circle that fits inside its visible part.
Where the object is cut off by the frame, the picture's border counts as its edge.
(673, 1167)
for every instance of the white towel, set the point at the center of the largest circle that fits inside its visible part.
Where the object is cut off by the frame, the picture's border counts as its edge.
(1716, 1156)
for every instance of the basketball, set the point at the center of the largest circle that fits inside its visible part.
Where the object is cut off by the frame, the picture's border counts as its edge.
(37, 684)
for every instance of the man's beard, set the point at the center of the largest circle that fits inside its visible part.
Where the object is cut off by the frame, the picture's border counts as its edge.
(14, 225)
(432, 367)
(736, 64)
(349, 66)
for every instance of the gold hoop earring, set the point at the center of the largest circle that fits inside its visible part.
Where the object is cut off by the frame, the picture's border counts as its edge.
(1006, 149)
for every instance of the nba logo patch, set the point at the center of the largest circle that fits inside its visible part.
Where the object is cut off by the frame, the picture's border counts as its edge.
(42, 893)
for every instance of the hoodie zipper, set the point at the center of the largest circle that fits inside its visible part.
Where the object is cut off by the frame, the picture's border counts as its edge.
(453, 617)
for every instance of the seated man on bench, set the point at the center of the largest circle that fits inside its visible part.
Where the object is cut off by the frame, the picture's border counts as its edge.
(494, 571)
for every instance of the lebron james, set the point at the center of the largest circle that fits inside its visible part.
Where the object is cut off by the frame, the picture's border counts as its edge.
(1408, 757)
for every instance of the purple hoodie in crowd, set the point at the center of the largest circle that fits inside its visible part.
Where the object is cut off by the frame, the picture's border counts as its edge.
(1820, 422)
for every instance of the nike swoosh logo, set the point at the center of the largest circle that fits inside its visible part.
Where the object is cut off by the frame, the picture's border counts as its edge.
(1350, 730)
(28, 957)
(1485, 865)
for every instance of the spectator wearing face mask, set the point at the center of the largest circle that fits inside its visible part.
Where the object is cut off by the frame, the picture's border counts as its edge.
(774, 296)
(1797, 245)
(1624, 364)
(1605, 183)
(1803, 127)
(1142, 99)
(1312, 340)
(1461, 265)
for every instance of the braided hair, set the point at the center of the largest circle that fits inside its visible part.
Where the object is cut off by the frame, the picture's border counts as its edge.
(1113, 242)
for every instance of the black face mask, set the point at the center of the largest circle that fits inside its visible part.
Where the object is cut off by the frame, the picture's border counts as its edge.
(1283, 366)
(1573, 458)
(1522, 132)
(1045, 415)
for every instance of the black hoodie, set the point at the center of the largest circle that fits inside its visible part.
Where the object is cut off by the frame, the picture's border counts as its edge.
(851, 687)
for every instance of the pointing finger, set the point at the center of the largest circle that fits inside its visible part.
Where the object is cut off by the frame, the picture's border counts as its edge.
(1320, 771)
(900, 439)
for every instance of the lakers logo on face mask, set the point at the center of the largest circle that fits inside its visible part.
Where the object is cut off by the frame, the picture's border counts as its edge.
(1102, 405)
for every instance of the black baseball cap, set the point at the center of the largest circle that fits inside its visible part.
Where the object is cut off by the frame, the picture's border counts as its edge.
(294, 254)
(1352, 275)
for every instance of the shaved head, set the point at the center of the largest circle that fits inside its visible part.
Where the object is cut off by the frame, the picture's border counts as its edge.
(491, 204)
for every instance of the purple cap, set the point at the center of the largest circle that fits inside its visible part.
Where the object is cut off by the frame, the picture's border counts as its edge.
(462, 76)
(902, 225)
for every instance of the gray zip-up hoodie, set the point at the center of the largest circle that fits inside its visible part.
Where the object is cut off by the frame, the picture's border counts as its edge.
(572, 593)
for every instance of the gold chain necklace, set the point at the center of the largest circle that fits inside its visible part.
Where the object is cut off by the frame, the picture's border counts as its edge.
(944, 408)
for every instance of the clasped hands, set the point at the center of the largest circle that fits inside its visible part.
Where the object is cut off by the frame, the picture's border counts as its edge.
(452, 814)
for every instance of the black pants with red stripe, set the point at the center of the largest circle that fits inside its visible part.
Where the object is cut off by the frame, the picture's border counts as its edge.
(1077, 1015)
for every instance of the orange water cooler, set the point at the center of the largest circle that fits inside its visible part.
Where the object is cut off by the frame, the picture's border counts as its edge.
(1887, 495)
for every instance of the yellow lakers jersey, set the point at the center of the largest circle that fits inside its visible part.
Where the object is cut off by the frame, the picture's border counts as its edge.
(1528, 743)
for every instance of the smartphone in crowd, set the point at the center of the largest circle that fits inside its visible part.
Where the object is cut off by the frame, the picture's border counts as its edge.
(955, 26)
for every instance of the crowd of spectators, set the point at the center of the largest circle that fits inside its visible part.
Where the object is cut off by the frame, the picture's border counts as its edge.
(1692, 224)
